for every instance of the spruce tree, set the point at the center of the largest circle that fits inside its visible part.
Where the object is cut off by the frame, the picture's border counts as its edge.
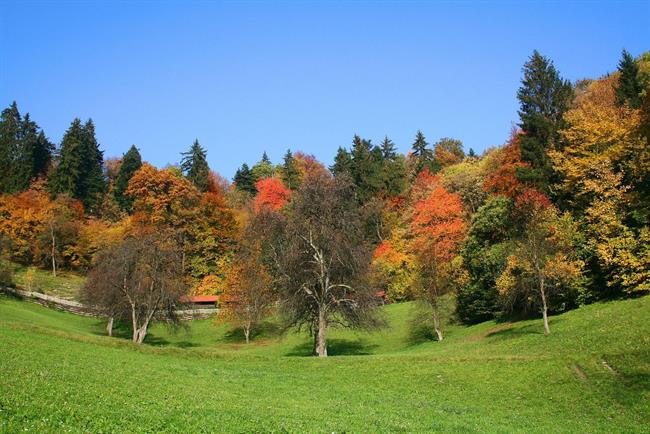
(244, 179)
(629, 86)
(10, 131)
(131, 162)
(366, 169)
(394, 169)
(388, 151)
(79, 170)
(263, 169)
(195, 166)
(423, 155)
(544, 97)
(290, 172)
(342, 162)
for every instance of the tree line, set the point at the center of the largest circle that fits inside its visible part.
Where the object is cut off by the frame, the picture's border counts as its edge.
(554, 218)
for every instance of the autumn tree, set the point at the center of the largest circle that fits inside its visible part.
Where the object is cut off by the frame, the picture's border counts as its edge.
(262, 169)
(504, 179)
(131, 162)
(195, 166)
(322, 260)
(438, 228)
(141, 275)
(447, 152)
(545, 262)
(272, 194)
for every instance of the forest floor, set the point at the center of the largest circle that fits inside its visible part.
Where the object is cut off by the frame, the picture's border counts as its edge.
(591, 374)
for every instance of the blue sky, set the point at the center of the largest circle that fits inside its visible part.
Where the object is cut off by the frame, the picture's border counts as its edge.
(244, 77)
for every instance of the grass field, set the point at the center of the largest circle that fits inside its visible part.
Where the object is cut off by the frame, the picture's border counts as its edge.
(65, 285)
(592, 374)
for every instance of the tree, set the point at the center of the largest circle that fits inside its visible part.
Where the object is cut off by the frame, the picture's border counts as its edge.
(271, 194)
(544, 97)
(448, 151)
(366, 168)
(195, 166)
(504, 179)
(79, 167)
(244, 180)
(263, 169)
(393, 170)
(322, 259)
(248, 288)
(629, 88)
(290, 172)
(342, 162)
(438, 228)
(422, 155)
(485, 252)
(544, 263)
(141, 275)
(131, 163)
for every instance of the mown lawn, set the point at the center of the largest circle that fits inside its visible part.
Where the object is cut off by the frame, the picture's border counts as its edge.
(592, 374)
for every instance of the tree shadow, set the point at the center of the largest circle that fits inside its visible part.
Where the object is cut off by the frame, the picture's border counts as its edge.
(513, 332)
(263, 330)
(335, 347)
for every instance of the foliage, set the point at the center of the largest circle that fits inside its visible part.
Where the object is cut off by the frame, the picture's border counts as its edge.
(195, 166)
(271, 194)
(448, 151)
(131, 162)
(629, 88)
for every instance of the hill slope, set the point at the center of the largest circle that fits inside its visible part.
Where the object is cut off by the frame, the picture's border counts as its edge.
(591, 375)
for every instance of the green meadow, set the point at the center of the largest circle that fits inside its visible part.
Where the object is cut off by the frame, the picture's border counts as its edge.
(58, 373)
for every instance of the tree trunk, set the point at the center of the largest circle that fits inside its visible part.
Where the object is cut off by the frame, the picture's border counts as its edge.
(109, 326)
(247, 332)
(547, 330)
(314, 350)
(436, 322)
(321, 344)
(53, 252)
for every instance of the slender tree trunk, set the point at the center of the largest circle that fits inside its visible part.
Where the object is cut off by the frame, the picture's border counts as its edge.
(247, 332)
(436, 321)
(314, 350)
(547, 330)
(109, 326)
(53, 252)
(321, 346)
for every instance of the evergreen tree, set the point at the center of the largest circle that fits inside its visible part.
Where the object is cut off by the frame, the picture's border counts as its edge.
(423, 155)
(366, 169)
(471, 153)
(544, 97)
(244, 179)
(265, 158)
(290, 172)
(131, 162)
(629, 86)
(195, 166)
(394, 169)
(79, 170)
(342, 162)
(25, 152)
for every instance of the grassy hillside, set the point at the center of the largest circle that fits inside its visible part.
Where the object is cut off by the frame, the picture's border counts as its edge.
(65, 285)
(57, 372)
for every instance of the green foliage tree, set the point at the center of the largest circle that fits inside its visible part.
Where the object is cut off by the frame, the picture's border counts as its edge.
(393, 170)
(131, 162)
(195, 166)
(423, 155)
(342, 162)
(263, 169)
(244, 180)
(485, 251)
(629, 86)
(544, 97)
(366, 168)
(290, 172)
(79, 169)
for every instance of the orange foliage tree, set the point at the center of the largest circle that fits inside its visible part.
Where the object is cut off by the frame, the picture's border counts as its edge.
(438, 228)
(272, 194)
(504, 180)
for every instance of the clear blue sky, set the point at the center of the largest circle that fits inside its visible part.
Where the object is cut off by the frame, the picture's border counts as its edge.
(244, 77)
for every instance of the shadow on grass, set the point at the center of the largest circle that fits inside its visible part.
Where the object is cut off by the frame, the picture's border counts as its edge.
(264, 330)
(335, 347)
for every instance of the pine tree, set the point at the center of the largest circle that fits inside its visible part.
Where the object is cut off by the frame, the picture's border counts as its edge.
(290, 172)
(79, 169)
(423, 155)
(131, 162)
(244, 180)
(471, 153)
(195, 166)
(388, 150)
(544, 97)
(265, 158)
(342, 162)
(263, 169)
(629, 87)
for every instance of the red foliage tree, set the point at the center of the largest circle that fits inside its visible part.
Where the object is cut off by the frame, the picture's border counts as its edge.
(504, 180)
(272, 194)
